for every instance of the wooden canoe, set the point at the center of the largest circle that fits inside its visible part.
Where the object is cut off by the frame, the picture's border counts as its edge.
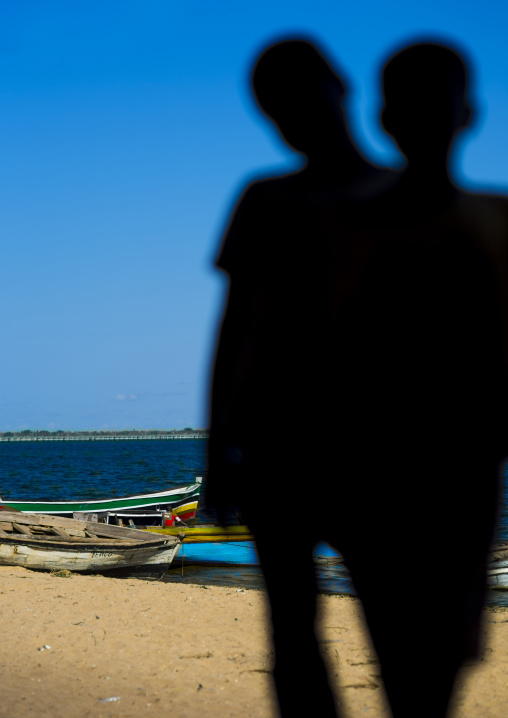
(54, 543)
(181, 501)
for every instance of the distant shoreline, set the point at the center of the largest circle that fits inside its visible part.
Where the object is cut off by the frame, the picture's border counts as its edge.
(148, 435)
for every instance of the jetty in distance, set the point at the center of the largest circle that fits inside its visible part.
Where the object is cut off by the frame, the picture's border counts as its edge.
(123, 435)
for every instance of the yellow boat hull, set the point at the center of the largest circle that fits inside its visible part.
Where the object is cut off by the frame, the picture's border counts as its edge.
(207, 534)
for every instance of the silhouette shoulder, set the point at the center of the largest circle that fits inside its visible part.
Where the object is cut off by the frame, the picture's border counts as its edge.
(248, 240)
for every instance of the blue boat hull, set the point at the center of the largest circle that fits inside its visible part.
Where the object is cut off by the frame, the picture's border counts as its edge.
(239, 553)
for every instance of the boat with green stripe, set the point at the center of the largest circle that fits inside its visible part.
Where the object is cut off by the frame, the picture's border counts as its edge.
(169, 500)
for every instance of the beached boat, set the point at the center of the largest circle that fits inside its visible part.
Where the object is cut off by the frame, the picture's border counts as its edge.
(181, 502)
(55, 543)
(206, 533)
(136, 518)
(497, 569)
(214, 545)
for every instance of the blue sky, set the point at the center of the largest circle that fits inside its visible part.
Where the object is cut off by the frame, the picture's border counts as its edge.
(127, 132)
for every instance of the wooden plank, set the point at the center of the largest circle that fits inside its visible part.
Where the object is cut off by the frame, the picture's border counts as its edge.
(86, 516)
(41, 529)
(4, 534)
(92, 541)
(6, 525)
(59, 532)
(75, 532)
(117, 532)
(75, 527)
(70, 541)
(22, 529)
(19, 518)
(60, 522)
(53, 531)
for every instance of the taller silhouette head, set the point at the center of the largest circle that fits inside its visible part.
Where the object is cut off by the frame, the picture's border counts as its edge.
(425, 92)
(296, 87)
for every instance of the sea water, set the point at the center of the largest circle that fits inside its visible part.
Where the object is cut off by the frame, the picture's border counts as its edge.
(60, 470)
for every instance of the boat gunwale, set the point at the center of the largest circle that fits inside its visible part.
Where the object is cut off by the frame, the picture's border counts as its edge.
(110, 533)
(184, 490)
(64, 544)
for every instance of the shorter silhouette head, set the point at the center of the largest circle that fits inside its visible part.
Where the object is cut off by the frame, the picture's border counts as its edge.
(425, 102)
(296, 87)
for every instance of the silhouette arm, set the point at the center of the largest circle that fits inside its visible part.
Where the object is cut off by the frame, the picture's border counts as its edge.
(493, 240)
(238, 259)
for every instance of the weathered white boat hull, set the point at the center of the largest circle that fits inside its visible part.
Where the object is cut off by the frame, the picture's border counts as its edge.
(497, 575)
(497, 569)
(84, 558)
(53, 543)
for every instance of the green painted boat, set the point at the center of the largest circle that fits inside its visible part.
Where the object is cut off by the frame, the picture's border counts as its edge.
(181, 502)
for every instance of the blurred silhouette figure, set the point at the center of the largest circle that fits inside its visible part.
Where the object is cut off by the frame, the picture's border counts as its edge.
(422, 389)
(273, 361)
(369, 306)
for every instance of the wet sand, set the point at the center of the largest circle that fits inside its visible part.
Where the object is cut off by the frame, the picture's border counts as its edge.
(189, 651)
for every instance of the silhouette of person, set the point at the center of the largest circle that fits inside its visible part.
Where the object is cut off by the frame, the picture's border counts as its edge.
(373, 305)
(274, 353)
(423, 350)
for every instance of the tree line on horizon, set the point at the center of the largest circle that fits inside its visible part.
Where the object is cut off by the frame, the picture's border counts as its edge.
(106, 432)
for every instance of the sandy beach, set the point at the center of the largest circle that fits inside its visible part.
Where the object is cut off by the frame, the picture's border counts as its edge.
(90, 646)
